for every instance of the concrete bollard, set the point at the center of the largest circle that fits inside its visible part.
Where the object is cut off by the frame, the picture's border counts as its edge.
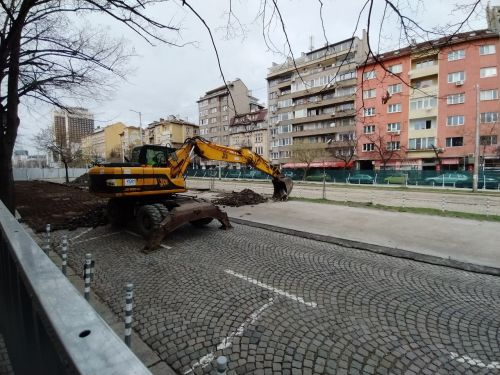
(487, 207)
(372, 197)
(221, 365)
(64, 254)
(403, 200)
(443, 205)
(129, 295)
(345, 198)
(47, 239)
(87, 270)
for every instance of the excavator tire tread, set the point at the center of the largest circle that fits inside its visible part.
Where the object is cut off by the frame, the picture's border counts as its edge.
(148, 219)
(162, 209)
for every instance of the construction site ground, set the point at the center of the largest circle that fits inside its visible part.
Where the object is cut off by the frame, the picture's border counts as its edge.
(281, 293)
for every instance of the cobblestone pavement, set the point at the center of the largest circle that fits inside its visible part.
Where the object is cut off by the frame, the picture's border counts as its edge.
(278, 304)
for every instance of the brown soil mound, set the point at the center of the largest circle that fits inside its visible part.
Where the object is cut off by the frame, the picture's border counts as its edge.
(237, 199)
(63, 207)
(81, 182)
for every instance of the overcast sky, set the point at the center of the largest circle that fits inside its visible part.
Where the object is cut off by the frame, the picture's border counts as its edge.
(169, 80)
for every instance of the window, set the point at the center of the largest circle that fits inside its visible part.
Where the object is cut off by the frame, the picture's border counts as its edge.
(488, 49)
(455, 98)
(285, 116)
(424, 64)
(488, 94)
(422, 124)
(224, 118)
(454, 141)
(259, 150)
(369, 129)
(344, 91)
(367, 94)
(213, 110)
(488, 117)
(423, 83)
(204, 112)
(394, 89)
(213, 120)
(392, 108)
(394, 69)
(204, 122)
(369, 111)
(456, 76)
(369, 75)
(393, 145)
(425, 102)
(488, 140)
(455, 120)
(224, 108)
(273, 95)
(490, 71)
(368, 147)
(275, 155)
(213, 100)
(456, 55)
(393, 127)
(285, 103)
(421, 143)
(284, 129)
(204, 103)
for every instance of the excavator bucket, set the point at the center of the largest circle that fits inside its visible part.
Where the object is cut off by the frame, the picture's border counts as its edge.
(282, 188)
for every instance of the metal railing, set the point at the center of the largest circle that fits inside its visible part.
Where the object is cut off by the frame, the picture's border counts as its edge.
(47, 325)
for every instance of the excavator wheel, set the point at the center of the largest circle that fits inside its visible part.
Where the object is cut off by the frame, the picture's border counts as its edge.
(148, 219)
(202, 222)
(163, 210)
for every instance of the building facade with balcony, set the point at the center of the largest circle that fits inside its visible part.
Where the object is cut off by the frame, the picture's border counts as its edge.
(418, 106)
(311, 101)
(171, 131)
(250, 130)
(218, 106)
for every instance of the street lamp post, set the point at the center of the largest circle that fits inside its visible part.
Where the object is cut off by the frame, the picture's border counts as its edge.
(475, 176)
(140, 124)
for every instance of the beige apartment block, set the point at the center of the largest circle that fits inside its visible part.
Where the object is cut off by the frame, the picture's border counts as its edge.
(170, 132)
(311, 102)
(130, 138)
(104, 144)
(218, 106)
(250, 130)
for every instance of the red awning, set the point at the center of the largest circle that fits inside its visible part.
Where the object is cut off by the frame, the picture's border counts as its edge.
(450, 161)
(318, 164)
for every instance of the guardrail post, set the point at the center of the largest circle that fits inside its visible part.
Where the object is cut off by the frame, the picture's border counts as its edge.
(87, 268)
(129, 295)
(487, 207)
(47, 238)
(443, 204)
(64, 254)
(221, 365)
(404, 200)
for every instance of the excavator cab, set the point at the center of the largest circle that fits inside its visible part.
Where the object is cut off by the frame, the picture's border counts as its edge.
(156, 156)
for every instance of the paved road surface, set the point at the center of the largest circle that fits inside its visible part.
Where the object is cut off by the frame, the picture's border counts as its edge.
(278, 304)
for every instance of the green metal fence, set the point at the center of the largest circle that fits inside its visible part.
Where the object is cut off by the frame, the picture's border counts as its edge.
(489, 179)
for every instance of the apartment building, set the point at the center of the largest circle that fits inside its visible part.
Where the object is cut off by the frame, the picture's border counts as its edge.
(130, 137)
(250, 130)
(216, 109)
(170, 131)
(104, 144)
(418, 106)
(311, 102)
(71, 125)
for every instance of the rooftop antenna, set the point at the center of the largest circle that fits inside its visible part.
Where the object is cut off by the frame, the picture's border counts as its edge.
(311, 42)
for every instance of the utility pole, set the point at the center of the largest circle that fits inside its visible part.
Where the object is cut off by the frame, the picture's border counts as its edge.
(475, 176)
(140, 124)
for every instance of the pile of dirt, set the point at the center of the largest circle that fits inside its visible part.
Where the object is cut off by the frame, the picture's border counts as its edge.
(63, 207)
(81, 182)
(237, 199)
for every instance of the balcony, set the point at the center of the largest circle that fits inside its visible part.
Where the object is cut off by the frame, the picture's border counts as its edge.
(423, 113)
(424, 72)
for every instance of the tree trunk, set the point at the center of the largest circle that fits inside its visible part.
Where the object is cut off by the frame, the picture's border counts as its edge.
(7, 186)
(66, 170)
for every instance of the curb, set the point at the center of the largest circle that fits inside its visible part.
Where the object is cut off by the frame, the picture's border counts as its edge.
(394, 252)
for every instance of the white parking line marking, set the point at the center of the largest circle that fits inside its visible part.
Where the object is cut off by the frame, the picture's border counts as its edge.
(273, 289)
(473, 361)
(81, 234)
(96, 238)
(138, 235)
(228, 341)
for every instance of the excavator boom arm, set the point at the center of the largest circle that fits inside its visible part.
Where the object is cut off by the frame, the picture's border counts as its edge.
(179, 161)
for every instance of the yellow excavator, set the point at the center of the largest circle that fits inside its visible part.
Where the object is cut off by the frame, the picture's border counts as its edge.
(146, 186)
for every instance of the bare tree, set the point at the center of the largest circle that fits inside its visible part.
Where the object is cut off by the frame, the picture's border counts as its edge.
(384, 146)
(46, 56)
(344, 150)
(70, 155)
(306, 154)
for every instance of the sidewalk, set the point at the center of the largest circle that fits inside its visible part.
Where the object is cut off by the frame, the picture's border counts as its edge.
(460, 243)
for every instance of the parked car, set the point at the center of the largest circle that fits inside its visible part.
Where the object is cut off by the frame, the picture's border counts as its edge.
(397, 179)
(447, 179)
(484, 181)
(319, 177)
(233, 173)
(360, 179)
